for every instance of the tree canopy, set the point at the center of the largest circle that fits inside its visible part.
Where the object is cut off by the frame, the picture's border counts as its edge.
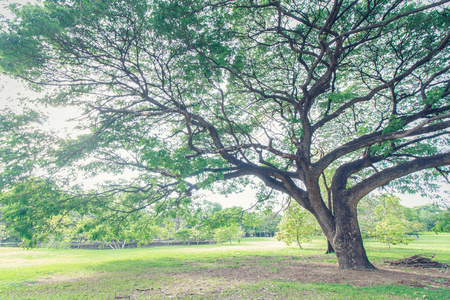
(213, 94)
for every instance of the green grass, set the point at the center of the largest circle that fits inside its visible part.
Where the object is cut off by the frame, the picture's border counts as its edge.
(183, 272)
(428, 243)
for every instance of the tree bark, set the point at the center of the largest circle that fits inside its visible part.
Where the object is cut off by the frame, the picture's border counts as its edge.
(347, 242)
(330, 248)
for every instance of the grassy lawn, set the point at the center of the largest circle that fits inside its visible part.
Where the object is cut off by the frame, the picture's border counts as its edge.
(428, 243)
(256, 268)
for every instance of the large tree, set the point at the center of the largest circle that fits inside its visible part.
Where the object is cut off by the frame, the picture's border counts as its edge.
(190, 92)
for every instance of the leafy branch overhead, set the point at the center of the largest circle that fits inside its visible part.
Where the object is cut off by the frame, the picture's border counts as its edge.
(189, 93)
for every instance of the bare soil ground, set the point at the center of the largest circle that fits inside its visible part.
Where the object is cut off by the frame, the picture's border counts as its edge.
(268, 268)
(213, 278)
(313, 269)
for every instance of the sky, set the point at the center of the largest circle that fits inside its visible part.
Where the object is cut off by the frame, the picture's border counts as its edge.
(4, 3)
(12, 91)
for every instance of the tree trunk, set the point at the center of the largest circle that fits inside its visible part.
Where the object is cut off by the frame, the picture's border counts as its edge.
(330, 248)
(347, 242)
(298, 243)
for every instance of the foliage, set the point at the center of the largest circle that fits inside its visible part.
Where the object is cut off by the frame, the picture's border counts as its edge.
(32, 207)
(366, 214)
(297, 225)
(25, 146)
(62, 232)
(6, 233)
(391, 230)
(373, 209)
(183, 234)
(139, 228)
(260, 223)
(426, 214)
(442, 221)
(227, 233)
(391, 227)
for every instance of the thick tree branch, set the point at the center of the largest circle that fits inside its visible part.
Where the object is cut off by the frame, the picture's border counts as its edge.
(355, 193)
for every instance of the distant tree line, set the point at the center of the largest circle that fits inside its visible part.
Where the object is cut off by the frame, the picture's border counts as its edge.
(187, 222)
(191, 222)
(380, 216)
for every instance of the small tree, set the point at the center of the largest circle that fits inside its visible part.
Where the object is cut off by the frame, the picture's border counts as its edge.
(183, 234)
(228, 233)
(251, 221)
(391, 230)
(391, 226)
(372, 209)
(297, 225)
(168, 231)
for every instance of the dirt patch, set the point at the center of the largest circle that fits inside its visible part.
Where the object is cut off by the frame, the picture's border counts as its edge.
(258, 269)
(215, 280)
(199, 276)
(210, 280)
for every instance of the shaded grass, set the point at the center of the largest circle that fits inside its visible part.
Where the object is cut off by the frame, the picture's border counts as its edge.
(150, 273)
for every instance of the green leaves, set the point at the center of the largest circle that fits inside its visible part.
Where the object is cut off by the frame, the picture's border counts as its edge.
(395, 124)
(297, 225)
(343, 96)
(225, 234)
(442, 221)
(391, 230)
(27, 207)
(385, 220)
(25, 146)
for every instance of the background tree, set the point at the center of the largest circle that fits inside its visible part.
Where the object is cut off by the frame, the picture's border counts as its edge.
(378, 212)
(269, 225)
(116, 234)
(297, 225)
(183, 234)
(427, 214)
(33, 208)
(367, 216)
(197, 217)
(390, 228)
(251, 222)
(442, 221)
(227, 233)
(7, 234)
(188, 93)
(63, 231)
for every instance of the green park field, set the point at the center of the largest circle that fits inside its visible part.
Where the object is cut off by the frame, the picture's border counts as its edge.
(255, 268)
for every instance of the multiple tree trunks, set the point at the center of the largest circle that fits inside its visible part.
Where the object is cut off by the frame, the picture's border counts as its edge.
(419, 261)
